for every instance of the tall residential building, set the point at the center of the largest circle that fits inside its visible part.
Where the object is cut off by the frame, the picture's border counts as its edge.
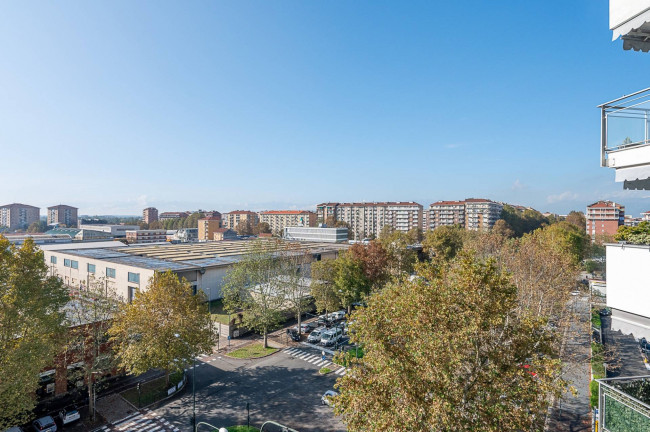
(325, 210)
(645, 216)
(367, 219)
(604, 217)
(207, 227)
(150, 214)
(173, 215)
(62, 214)
(481, 214)
(233, 218)
(445, 213)
(280, 219)
(18, 216)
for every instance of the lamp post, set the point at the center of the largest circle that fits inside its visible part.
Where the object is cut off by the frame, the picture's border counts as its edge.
(193, 383)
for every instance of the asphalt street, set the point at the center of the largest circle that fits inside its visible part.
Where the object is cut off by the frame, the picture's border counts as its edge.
(282, 387)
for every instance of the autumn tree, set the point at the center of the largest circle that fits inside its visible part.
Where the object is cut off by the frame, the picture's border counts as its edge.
(449, 351)
(444, 241)
(577, 218)
(165, 327)
(373, 258)
(502, 228)
(89, 316)
(294, 264)
(262, 228)
(255, 285)
(37, 227)
(245, 227)
(31, 327)
(322, 287)
(523, 221)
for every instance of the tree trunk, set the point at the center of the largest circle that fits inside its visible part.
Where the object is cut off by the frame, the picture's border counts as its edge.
(299, 316)
(266, 339)
(167, 378)
(91, 399)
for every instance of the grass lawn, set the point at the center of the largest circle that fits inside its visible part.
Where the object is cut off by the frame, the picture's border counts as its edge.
(218, 314)
(252, 351)
(242, 429)
(595, 318)
(324, 370)
(151, 391)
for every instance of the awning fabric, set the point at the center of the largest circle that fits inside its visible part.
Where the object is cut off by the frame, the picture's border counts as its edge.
(630, 25)
(632, 173)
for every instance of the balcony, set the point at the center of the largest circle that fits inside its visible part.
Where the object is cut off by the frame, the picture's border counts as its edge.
(625, 139)
(630, 19)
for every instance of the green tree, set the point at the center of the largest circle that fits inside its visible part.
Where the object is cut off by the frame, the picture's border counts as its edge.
(31, 327)
(639, 234)
(497, 376)
(523, 222)
(350, 282)
(401, 257)
(255, 285)
(37, 227)
(262, 228)
(144, 331)
(578, 219)
(444, 242)
(322, 286)
(88, 317)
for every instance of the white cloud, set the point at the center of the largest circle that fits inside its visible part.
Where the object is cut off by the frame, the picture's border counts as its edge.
(517, 185)
(564, 196)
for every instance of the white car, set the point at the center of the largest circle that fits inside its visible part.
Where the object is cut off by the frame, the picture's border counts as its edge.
(326, 399)
(314, 336)
(68, 415)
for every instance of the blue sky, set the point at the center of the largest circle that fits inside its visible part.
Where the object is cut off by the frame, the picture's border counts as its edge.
(114, 106)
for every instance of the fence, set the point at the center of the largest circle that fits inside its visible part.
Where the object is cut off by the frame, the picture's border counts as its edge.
(618, 410)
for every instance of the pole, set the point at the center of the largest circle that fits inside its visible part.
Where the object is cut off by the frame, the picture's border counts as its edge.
(248, 409)
(194, 394)
(139, 404)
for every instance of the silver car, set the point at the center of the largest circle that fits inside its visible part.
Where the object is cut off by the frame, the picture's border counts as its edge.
(314, 336)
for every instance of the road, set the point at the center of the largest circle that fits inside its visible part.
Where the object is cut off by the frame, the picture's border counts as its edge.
(282, 387)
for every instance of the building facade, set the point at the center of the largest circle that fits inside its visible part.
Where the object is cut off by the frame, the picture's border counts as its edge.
(604, 217)
(207, 227)
(316, 234)
(234, 218)
(18, 216)
(445, 213)
(221, 234)
(172, 215)
(279, 219)
(146, 236)
(113, 230)
(325, 211)
(481, 214)
(366, 220)
(62, 215)
(150, 214)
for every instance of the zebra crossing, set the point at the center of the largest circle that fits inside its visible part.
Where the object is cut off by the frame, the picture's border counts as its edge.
(315, 359)
(144, 421)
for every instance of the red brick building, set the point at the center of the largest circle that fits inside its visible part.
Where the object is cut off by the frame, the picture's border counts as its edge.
(604, 217)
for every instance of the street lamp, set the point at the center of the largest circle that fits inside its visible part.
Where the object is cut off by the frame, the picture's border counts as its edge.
(176, 335)
(209, 425)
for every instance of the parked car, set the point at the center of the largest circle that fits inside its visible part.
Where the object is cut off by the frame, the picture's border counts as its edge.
(307, 327)
(339, 315)
(293, 334)
(44, 424)
(326, 399)
(314, 336)
(69, 415)
(14, 429)
(331, 336)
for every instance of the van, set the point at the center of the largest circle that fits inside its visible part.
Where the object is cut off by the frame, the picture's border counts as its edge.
(331, 337)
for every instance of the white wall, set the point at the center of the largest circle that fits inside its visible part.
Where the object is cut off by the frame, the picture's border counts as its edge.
(621, 11)
(628, 278)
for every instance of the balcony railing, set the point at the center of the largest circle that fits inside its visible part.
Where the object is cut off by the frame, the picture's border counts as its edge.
(625, 125)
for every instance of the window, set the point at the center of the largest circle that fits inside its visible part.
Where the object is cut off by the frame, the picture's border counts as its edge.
(53, 259)
(132, 292)
(74, 264)
(66, 262)
(134, 277)
(110, 272)
(91, 268)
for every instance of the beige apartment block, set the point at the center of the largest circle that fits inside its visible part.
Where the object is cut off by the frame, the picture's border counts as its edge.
(481, 214)
(444, 213)
(18, 216)
(234, 218)
(146, 236)
(62, 214)
(278, 220)
(207, 227)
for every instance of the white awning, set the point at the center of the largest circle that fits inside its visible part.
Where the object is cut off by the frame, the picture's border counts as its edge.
(631, 24)
(633, 173)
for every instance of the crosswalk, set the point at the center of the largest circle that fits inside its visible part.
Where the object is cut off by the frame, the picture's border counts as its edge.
(144, 421)
(316, 360)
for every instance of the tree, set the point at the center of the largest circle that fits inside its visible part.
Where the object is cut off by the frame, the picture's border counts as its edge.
(144, 331)
(330, 221)
(31, 327)
(322, 286)
(498, 374)
(502, 228)
(156, 225)
(37, 227)
(444, 241)
(294, 267)
(255, 285)
(577, 218)
(415, 235)
(350, 282)
(262, 228)
(639, 234)
(373, 258)
(245, 227)
(523, 222)
(401, 258)
(89, 317)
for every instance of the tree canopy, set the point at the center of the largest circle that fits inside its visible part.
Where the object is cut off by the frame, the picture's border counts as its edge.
(639, 234)
(523, 221)
(31, 327)
(449, 350)
(444, 242)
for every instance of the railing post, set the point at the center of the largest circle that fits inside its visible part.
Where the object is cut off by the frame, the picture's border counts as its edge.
(603, 137)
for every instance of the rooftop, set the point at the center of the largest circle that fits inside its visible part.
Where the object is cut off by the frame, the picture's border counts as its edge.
(285, 212)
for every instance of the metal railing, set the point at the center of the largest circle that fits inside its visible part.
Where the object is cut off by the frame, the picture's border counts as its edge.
(625, 122)
(620, 411)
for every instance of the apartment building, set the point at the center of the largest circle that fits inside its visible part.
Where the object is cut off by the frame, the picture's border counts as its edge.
(279, 219)
(233, 218)
(481, 214)
(221, 234)
(604, 217)
(62, 214)
(146, 236)
(443, 213)
(172, 215)
(18, 216)
(367, 219)
(207, 227)
(150, 214)
(631, 221)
